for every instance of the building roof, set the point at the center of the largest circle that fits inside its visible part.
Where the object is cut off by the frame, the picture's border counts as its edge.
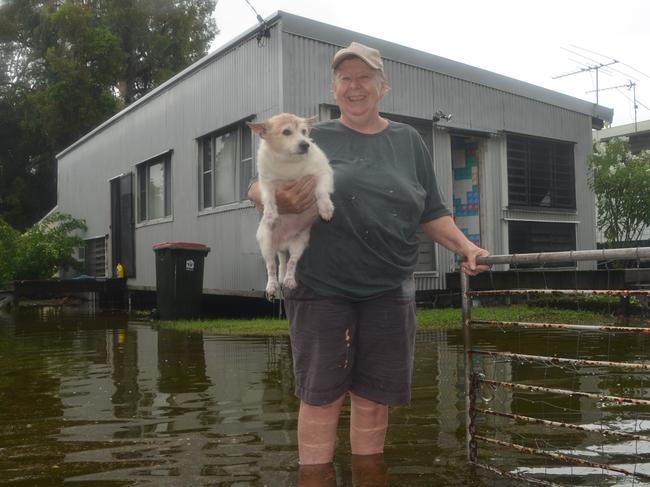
(342, 37)
(623, 130)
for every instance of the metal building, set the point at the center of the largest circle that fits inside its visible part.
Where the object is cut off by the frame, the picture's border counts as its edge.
(174, 166)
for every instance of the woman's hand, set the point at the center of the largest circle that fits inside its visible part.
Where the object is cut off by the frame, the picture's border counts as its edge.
(292, 197)
(296, 196)
(469, 265)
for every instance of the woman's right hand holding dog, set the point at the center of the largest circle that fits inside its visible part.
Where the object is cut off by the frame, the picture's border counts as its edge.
(296, 196)
(292, 197)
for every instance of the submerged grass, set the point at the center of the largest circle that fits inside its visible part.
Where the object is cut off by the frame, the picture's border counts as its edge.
(426, 319)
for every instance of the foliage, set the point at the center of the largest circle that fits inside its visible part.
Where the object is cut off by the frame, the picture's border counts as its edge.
(620, 181)
(68, 65)
(8, 244)
(39, 252)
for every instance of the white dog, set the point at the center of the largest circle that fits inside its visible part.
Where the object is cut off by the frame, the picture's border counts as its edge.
(286, 153)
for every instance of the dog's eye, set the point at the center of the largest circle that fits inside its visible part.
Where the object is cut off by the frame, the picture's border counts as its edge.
(304, 131)
(286, 132)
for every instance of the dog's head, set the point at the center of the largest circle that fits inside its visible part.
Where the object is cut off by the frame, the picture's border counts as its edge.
(285, 134)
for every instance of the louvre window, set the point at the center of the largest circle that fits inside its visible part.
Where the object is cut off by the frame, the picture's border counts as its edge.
(530, 237)
(540, 173)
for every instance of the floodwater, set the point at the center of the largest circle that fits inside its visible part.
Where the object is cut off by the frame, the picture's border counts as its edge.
(99, 401)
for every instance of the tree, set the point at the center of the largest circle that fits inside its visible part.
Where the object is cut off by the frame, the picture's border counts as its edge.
(68, 65)
(159, 39)
(620, 181)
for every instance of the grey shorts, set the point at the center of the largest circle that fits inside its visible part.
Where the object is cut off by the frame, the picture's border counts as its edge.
(365, 347)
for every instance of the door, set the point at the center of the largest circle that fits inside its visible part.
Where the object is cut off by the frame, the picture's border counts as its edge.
(122, 225)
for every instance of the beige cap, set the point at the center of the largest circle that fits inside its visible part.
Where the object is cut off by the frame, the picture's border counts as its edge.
(367, 54)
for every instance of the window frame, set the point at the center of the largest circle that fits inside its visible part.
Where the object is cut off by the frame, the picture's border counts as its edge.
(523, 156)
(142, 171)
(243, 171)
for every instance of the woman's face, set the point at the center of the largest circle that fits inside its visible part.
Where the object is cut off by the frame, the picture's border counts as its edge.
(357, 89)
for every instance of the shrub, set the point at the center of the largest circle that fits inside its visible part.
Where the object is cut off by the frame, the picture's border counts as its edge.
(47, 246)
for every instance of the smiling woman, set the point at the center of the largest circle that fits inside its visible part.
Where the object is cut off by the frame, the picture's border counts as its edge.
(352, 314)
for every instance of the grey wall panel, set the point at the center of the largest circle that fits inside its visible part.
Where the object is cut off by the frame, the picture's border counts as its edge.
(306, 74)
(444, 176)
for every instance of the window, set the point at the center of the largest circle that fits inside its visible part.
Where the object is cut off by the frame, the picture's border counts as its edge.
(540, 173)
(530, 237)
(154, 188)
(226, 163)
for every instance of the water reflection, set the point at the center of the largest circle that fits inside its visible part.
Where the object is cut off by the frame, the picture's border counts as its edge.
(99, 401)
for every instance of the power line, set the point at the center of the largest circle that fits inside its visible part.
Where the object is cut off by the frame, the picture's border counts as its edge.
(609, 57)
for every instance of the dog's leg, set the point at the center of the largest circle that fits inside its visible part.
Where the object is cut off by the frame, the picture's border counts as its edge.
(324, 187)
(296, 248)
(267, 195)
(265, 241)
(282, 266)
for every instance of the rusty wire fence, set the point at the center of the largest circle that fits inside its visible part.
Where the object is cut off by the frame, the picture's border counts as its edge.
(558, 404)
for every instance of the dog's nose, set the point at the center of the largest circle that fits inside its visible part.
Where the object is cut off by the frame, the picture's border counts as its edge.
(304, 147)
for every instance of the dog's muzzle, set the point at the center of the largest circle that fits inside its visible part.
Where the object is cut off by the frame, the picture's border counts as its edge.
(303, 147)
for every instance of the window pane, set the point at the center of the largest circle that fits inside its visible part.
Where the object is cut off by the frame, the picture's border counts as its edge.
(142, 192)
(206, 173)
(225, 160)
(168, 186)
(156, 191)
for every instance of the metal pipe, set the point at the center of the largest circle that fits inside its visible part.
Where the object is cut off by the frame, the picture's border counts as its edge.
(564, 326)
(561, 360)
(560, 456)
(515, 476)
(600, 397)
(467, 349)
(547, 422)
(635, 253)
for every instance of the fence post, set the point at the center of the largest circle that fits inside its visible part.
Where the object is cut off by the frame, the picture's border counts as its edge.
(467, 348)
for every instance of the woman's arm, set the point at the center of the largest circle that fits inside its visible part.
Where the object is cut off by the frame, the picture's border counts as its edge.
(444, 231)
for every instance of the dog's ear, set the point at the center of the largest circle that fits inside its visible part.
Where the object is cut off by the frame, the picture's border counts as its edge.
(258, 127)
(311, 121)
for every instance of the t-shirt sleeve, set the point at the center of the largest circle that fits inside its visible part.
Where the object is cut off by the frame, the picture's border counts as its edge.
(434, 205)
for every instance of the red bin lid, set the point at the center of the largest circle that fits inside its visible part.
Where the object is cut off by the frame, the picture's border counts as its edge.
(182, 246)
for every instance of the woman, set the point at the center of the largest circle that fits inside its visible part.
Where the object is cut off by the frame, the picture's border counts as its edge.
(352, 316)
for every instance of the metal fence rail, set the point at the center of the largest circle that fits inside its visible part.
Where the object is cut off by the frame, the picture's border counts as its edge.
(476, 380)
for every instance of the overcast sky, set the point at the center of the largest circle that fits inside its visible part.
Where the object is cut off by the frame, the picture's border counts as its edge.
(525, 40)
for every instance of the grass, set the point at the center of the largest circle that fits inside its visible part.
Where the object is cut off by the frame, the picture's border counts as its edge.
(426, 319)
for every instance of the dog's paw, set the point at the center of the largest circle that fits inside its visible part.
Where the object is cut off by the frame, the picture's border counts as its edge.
(272, 290)
(326, 209)
(289, 282)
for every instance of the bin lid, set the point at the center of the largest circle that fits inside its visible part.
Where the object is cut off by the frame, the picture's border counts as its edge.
(182, 246)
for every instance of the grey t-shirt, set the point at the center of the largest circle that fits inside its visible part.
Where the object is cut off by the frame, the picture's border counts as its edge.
(384, 188)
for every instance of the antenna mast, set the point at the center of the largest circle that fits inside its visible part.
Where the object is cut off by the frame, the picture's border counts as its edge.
(590, 68)
(629, 86)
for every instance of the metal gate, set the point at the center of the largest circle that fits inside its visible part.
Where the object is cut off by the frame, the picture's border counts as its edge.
(571, 404)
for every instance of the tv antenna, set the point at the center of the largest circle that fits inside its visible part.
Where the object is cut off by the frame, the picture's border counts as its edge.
(630, 86)
(595, 67)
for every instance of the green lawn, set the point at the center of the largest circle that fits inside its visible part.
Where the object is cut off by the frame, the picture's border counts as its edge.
(426, 319)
